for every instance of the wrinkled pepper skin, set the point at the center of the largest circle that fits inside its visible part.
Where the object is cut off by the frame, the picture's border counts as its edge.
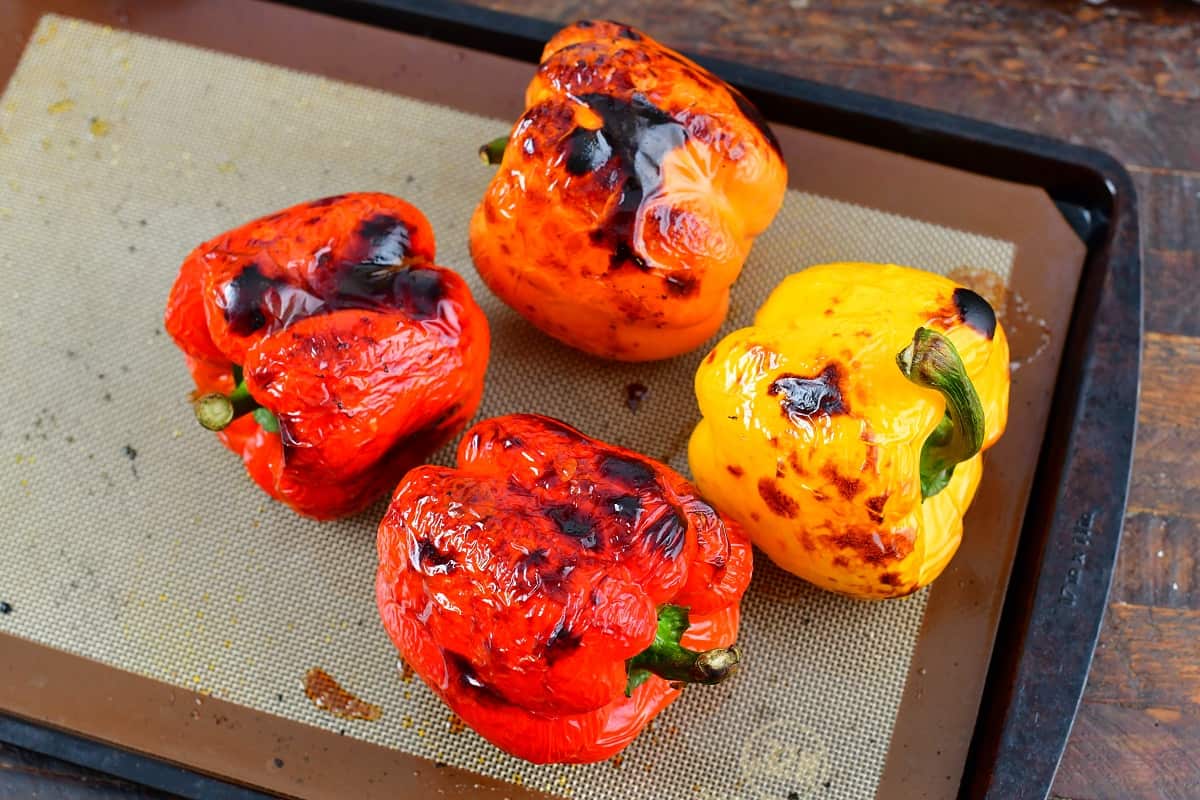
(518, 584)
(812, 436)
(368, 355)
(628, 197)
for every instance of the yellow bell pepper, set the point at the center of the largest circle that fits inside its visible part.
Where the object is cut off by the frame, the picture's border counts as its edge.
(844, 429)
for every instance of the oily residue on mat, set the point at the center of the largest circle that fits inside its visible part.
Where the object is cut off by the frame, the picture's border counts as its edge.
(328, 695)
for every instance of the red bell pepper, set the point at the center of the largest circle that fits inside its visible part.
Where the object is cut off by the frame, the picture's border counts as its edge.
(557, 592)
(328, 349)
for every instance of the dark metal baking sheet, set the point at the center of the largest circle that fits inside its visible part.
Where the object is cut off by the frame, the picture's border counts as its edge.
(1059, 585)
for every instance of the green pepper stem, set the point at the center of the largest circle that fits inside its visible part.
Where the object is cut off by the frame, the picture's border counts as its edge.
(493, 151)
(932, 361)
(216, 411)
(671, 661)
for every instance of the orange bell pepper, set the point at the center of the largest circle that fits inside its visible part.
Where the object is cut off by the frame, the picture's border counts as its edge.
(627, 198)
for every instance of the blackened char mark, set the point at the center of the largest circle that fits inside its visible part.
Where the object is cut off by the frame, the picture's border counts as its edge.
(415, 290)
(575, 523)
(667, 535)
(628, 472)
(682, 285)
(244, 298)
(469, 679)
(387, 239)
(324, 202)
(562, 641)
(433, 561)
(803, 398)
(975, 312)
(627, 506)
(587, 151)
(750, 112)
(628, 149)
(381, 276)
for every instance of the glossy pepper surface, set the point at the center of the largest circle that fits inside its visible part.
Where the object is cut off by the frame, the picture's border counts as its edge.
(628, 196)
(328, 348)
(844, 428)
(557, 591)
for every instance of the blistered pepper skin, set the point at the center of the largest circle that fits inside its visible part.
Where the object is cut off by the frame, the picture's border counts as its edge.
(367, 354)
(812, 436)
(628, 197)
(519, 584)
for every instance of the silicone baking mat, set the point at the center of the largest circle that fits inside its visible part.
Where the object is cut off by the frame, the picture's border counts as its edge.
(132, 538)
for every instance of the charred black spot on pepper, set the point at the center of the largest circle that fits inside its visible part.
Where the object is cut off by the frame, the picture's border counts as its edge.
(554, 580)
(629, 33)
(575, 523)
(890, 579)
(751, 112)
(536, 558)
(587, 151)
(416, 290)
(434, 561)
(326, 201)
(561, 642)
(623, 253)
(467, 676)
(975, 312)
(682, 285)
(244, 297)
(803, 397)
(627, 506)
(627, 471)
(668, 535)
(638, 136)
(388, 239)
(735, 470)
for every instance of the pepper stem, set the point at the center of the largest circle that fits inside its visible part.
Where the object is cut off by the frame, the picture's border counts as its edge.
(493, 151)
(216, 411)
(932, 361)
(669, 660)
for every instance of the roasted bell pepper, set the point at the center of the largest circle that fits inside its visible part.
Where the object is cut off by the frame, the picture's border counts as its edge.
(627, 198)
(844, 429)
(558, 592)
(328, 349)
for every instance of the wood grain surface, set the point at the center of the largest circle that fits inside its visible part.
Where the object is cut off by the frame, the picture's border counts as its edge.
(1121, 76)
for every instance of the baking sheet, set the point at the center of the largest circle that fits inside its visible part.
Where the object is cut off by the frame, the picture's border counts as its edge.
(140, 544)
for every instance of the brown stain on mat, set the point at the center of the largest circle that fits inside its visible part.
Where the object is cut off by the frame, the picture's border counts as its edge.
(328, 695)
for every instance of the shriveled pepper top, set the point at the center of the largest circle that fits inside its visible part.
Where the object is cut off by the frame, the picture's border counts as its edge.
(360, 354)
(628, 197)
(840, 460)
(523, 586)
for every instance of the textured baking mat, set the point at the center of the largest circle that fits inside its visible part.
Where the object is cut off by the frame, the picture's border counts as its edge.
(132, 538)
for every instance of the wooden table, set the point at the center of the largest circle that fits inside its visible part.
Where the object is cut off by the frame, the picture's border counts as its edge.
(1121, 76)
